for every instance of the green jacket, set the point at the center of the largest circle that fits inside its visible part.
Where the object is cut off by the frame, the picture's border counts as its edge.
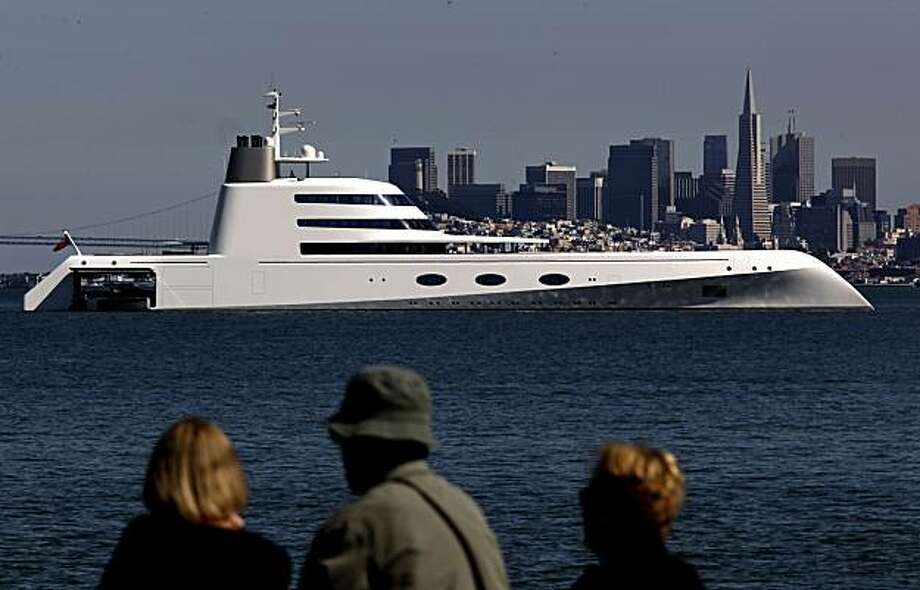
(391, 537)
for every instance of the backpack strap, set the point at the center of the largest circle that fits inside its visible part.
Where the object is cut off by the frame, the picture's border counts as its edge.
(464, 542)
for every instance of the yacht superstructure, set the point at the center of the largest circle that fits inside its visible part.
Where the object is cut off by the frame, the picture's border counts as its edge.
(351, 243)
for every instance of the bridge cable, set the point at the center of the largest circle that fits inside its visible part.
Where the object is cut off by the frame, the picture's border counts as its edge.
(125, 219)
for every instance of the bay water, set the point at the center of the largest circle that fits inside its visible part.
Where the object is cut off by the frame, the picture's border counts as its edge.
(799, 433)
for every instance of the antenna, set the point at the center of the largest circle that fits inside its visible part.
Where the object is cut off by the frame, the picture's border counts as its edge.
(309, 153)
(790, 124)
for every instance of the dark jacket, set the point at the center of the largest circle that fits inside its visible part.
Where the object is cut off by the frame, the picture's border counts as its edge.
(165, 552)
(391, 537)
(652, 570)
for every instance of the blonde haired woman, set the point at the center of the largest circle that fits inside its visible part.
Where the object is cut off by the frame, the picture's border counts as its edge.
(192, 534)
(628, 508)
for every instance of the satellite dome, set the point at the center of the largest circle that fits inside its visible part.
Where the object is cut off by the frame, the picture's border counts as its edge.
(308, 151)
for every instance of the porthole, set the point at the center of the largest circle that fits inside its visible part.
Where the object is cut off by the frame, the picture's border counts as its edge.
(728, 268)
(490, 280)
(754, 268)
(431, 280)
(554, 279)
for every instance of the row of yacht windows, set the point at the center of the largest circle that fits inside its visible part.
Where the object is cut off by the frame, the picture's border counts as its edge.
(311, 248)
(368, 223)
(395, 200)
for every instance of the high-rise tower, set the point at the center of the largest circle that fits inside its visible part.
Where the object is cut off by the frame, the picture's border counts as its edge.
(751, 207)
(715, 154)
(553, 173)
(461, 167)
(632, 197)
(792, 157)
(413, 169)
(855, 173)
(664, 153)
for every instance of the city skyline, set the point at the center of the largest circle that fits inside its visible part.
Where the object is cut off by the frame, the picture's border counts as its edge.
(114, 123)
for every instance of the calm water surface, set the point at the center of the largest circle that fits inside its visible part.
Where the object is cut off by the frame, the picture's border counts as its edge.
(798, 432)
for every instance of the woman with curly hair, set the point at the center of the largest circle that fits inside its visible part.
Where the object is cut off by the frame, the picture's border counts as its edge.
(628, 508)
(193, 534)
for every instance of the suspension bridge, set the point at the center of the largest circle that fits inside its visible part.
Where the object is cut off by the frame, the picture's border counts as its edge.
(183, 227)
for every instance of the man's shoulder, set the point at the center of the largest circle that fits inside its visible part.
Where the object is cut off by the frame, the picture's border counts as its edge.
(401, 493)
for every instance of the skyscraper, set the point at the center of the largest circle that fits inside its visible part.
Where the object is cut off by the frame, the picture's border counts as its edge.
(482, 200)
(590, 197)
(855, 173)
(717, 189)
(664, 152)
(553, 173)
(751, 206)
(414, 169)
(715, 154)
(539, 202)
(687, 193)
(461, 167)
(792, 156)
(632, 174)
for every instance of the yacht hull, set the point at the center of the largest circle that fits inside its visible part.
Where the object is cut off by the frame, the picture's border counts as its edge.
(654, 280)
(799, 289)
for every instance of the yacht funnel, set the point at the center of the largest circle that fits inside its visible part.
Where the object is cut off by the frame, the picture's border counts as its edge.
(251, 160)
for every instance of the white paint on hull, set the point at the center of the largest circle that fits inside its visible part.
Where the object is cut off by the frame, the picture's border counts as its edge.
(753, 279)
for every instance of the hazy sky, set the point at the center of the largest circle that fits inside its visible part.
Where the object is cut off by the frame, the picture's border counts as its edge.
(109, 108)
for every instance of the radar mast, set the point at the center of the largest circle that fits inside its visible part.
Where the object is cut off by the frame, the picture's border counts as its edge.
(308, 153)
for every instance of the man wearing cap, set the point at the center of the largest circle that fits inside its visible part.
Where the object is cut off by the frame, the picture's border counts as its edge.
(408, 528)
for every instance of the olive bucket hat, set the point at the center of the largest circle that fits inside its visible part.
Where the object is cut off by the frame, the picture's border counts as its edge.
(384, 402)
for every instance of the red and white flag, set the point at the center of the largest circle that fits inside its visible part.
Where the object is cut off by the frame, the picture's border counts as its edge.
(63, 243)
(67, 241)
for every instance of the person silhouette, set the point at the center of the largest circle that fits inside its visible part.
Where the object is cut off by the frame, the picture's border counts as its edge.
(628, 507)
(193, 534)
(408, 528)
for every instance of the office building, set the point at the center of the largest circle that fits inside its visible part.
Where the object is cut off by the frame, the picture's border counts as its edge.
(825, 227)
(836, 221)
(480, 200)
(540, 202)
(792, 159)
(461, 168)
(882, 222)
(552, 173)
(750, 202)
(664, 152)
(715, 154)
(784, 227)
(716, 197)
(717, 184)
(686, 192)
(590, 196)
(705, 232)
(911, 221)
(907, 248)
(855, 173)
(632, 197)
(414, 169)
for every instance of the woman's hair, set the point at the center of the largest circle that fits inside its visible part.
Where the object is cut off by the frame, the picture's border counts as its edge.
(635, 491)
(194, 472)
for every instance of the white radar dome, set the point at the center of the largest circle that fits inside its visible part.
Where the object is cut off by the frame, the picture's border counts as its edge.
(308, 151)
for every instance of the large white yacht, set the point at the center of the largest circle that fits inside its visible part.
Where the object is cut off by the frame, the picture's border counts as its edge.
(350, 243)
